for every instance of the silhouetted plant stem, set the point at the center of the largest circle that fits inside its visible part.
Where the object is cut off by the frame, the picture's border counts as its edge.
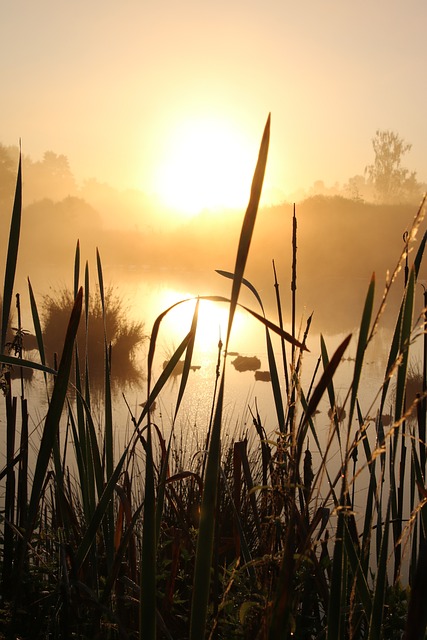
(9, 546)
(290, 419)
(217, 375)
(422, 407)
(280, 316)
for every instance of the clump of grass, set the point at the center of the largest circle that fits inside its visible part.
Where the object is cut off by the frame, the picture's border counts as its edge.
(126, 337)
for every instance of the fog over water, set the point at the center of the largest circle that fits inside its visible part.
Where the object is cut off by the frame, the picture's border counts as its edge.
(340, 243)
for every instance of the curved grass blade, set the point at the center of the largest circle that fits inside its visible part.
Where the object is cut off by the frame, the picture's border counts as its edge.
(275, 384)
(249, 285)
(331, 390)
(323, 384)
(26, 364)
(187, 361)
(267, 323)
(164, 377)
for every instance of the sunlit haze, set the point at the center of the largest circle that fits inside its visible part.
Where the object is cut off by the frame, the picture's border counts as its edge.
(171, 98)
(207, 164)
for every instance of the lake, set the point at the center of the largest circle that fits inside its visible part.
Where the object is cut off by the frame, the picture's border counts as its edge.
(146, 297)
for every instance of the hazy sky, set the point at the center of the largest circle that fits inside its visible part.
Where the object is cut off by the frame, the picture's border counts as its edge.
(119, 86)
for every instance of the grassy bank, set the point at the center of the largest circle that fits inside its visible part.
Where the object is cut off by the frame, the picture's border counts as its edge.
(238, 539)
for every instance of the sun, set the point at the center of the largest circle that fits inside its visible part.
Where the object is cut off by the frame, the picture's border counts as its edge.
(208, 164)
(212, 320)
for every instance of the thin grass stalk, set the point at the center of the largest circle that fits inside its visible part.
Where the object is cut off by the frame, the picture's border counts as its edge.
(163, 378)
(9, 279)
(358, 571)
(422, 413)
(416, 622)
(371, 498)
(152, 509)
(205, 538)
(214, 399)
(9, 508)
(282, 605)
(147, 624)
(405, 337)
(90, 443)
(291, 406)
(108, 420)
(361, 348)
(22, 497)
(243, 544)
(337, 597)
(376, 619)
(38, 331)
(280, 317)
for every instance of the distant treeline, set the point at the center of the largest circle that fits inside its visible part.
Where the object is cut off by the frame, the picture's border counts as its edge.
(341, 241)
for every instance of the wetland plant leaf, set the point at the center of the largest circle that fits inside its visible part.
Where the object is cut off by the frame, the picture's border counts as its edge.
(12, 256)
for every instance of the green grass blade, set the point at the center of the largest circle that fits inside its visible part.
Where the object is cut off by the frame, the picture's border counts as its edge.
(405, 337)
(55, 409)
(247, 283)
(323, 384)
(147, 625)
(361, 346)
(164, 376)
(37, 324)
(358, 572)
(26, 364)
(100, 511)
(77, 268)
(275, 382)
(376, 620)
(338, 581)
(248, 225)
(330, 388)
(12, 256)
(188, 358)
(205, 538)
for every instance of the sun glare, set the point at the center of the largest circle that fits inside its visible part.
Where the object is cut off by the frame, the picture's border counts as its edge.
(208, 164)
(211, 326)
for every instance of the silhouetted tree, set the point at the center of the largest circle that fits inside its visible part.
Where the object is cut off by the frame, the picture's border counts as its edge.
(391, 181)
(49, 178)
(7, 175)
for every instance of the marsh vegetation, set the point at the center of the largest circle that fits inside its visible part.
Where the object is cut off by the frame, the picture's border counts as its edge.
(249, 535)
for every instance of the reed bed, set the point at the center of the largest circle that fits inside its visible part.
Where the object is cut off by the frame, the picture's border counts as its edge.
(239, 539)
